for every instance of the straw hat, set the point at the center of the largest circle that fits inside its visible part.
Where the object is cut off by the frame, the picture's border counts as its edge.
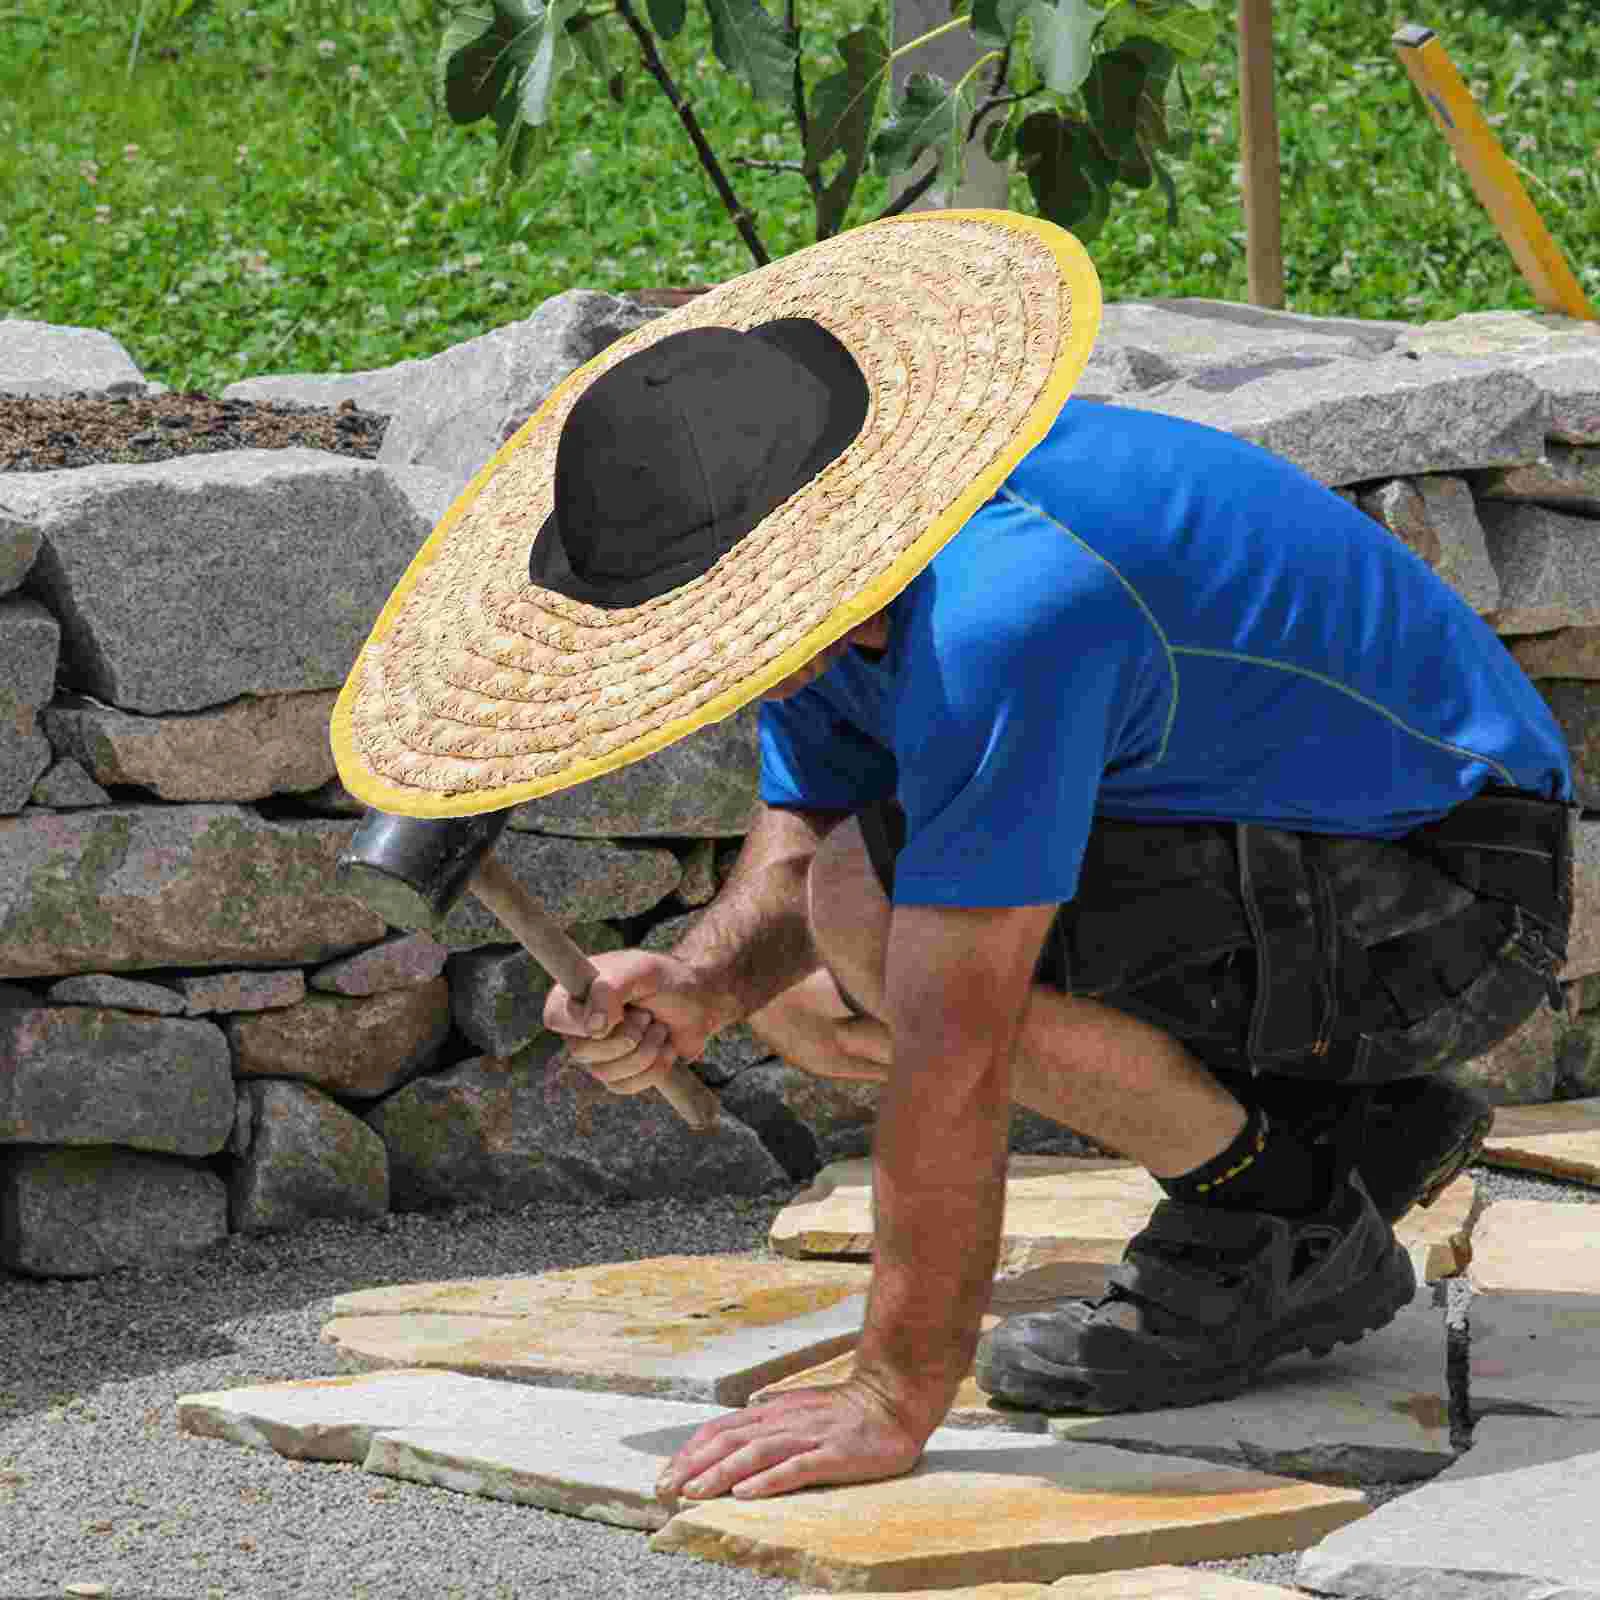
(946, 342)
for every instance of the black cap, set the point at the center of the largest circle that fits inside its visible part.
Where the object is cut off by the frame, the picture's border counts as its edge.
(670, 458)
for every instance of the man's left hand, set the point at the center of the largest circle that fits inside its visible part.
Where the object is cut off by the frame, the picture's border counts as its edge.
(840, 1433)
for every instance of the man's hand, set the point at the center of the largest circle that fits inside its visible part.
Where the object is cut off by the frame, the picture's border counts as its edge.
(838, 1433)
(642, 1013)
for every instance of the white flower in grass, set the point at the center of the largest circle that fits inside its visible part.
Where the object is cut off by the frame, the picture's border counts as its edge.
(471, 263)
(1415, 302)
(89, 172)
(583, 163)
(56, 240)
(102, 214)
(1208, 258)
(1319, 108)
(517, 247)
(1145, 243)
(355, 74)
(401, 240)
(326, 48)
(129, 152)
(1337, 164)
(1498, 119)
(1342, 272)
(499, 286)
(1527, 142)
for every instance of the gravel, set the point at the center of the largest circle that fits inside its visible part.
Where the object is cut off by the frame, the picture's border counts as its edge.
(98, 1486)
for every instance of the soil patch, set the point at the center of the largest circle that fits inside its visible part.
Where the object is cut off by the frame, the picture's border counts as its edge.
(49, 433)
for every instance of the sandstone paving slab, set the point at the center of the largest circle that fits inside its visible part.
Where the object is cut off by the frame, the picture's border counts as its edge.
(1535, 1310)
(1512, 1520)
(1561, 1140)
(1377, 1411)
(590, 1455)
(694, 1328)
(1063, 1209)
(1142, 1583)
(986, 1507)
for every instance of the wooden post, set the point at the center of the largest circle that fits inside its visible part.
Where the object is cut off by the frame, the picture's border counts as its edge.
(1258, 152)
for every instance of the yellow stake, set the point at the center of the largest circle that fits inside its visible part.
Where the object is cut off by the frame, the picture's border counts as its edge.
(1494, 179)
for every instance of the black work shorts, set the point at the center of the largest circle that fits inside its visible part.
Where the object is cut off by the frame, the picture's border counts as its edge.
(1345, 960)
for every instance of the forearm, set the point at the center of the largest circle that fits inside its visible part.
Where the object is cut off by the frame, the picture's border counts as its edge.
(754, 941)
(939, 1196)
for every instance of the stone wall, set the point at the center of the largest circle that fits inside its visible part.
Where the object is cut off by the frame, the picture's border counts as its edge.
(200, 1034)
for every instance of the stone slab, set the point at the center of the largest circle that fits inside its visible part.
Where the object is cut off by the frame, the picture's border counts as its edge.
(107, 989)
(1536, 1247)
(589, 1455)
(1561, 1140)
(1067, 1209)
(695, 1328)
(1545, 562)
(1143, 1583)
(50, 358)
(1512, 1520)
(1000, 1507)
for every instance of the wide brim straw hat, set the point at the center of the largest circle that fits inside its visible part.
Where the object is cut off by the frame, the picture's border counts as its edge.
(478, 689)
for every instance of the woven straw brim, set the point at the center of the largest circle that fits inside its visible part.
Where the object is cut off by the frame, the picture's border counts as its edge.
(478, 690)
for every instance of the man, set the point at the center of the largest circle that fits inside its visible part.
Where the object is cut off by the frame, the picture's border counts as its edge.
(1108, 764)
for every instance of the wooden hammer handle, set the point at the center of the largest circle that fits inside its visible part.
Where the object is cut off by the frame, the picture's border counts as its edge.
(546, 941)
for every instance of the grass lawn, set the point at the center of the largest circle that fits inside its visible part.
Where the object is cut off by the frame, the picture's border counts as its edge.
(269, 188)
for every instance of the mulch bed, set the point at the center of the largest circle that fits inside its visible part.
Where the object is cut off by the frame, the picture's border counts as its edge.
(49, 433)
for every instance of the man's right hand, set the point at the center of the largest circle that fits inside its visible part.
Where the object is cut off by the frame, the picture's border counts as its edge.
(643, 1012)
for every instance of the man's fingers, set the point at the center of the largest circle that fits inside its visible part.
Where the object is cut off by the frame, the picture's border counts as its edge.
(635, 1058)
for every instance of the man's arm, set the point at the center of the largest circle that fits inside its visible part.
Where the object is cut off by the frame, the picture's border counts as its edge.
(754, 940)
(957, 986)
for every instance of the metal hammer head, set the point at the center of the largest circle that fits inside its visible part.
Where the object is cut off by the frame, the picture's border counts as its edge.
(412, 870)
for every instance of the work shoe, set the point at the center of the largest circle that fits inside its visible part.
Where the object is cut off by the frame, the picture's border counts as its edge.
(1420, 1133)
(1203, 1300)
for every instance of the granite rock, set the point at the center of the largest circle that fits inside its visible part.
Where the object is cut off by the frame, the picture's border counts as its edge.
(702, 786)
(1566, 478)
(1437, 518)
(18, 547)
(43, 359)
(67, 787)
(208, 992)
(77, 1213)
(497, 993)
(307, 1158)
(29, 646)
(88, 1075)
(395, 963)
(355, 1048)
(157, 886)
(1549, 578)
(247, 750)
(125, 994)
(1567, 653)
(119, 567)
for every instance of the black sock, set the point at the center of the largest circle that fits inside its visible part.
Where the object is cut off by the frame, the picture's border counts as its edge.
(1265, 1169)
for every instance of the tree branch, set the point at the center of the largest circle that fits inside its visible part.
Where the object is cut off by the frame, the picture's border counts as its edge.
(742, 219)
(909, 197)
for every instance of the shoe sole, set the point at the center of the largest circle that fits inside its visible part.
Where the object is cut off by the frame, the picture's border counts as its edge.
(1031, 1383)
(1449, 1168)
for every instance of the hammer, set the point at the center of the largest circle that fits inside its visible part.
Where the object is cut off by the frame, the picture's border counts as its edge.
(411, 870)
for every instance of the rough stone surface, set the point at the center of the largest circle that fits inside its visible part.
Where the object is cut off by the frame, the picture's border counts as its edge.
(1523, 335)
(1566, 478)
(1567, 653)
(29, 645)
(107, 989)
(349, 1047)
(308, 1158)
(157, 886)
(754, 1096)
(86, 1075)
(1571, 386)
(1583, 949)
(699, 884)
(1521, 1069)
(1535, 1310)
(18, 547)
(1141, 1583)
(47, 358)
(1374, 1412)
(209, 992)
(703, 786)
(1436, 517)
(243, 751)
(67, 787)
(78, 1213)
(575, 880)
(504, 1131)
(1545, 559)
(1576, 704)
(702, 1328)
(118, 566)
(1512, 1520)
(1560, 1141)
(1351, 422)
(987, 1507)
(497, 994)
(589, 1455)
(396, 963)
(1439, 1238)
(458, 407)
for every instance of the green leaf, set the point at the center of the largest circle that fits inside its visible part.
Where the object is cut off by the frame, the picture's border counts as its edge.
(1111, 96)
(994, 22)
(555, 55)
(591, 42)
(1063, 37)
(840, 122)
(469, 69)
(1067, 172)
(1186, 26)
(1000, 137)
(753, 46)
(666, 16)
(929, 114)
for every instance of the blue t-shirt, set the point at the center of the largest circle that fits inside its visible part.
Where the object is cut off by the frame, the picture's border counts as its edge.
(1155, 621)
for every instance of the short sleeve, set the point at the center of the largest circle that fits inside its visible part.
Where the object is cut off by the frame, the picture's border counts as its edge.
(812, 756)
(1019, 695)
